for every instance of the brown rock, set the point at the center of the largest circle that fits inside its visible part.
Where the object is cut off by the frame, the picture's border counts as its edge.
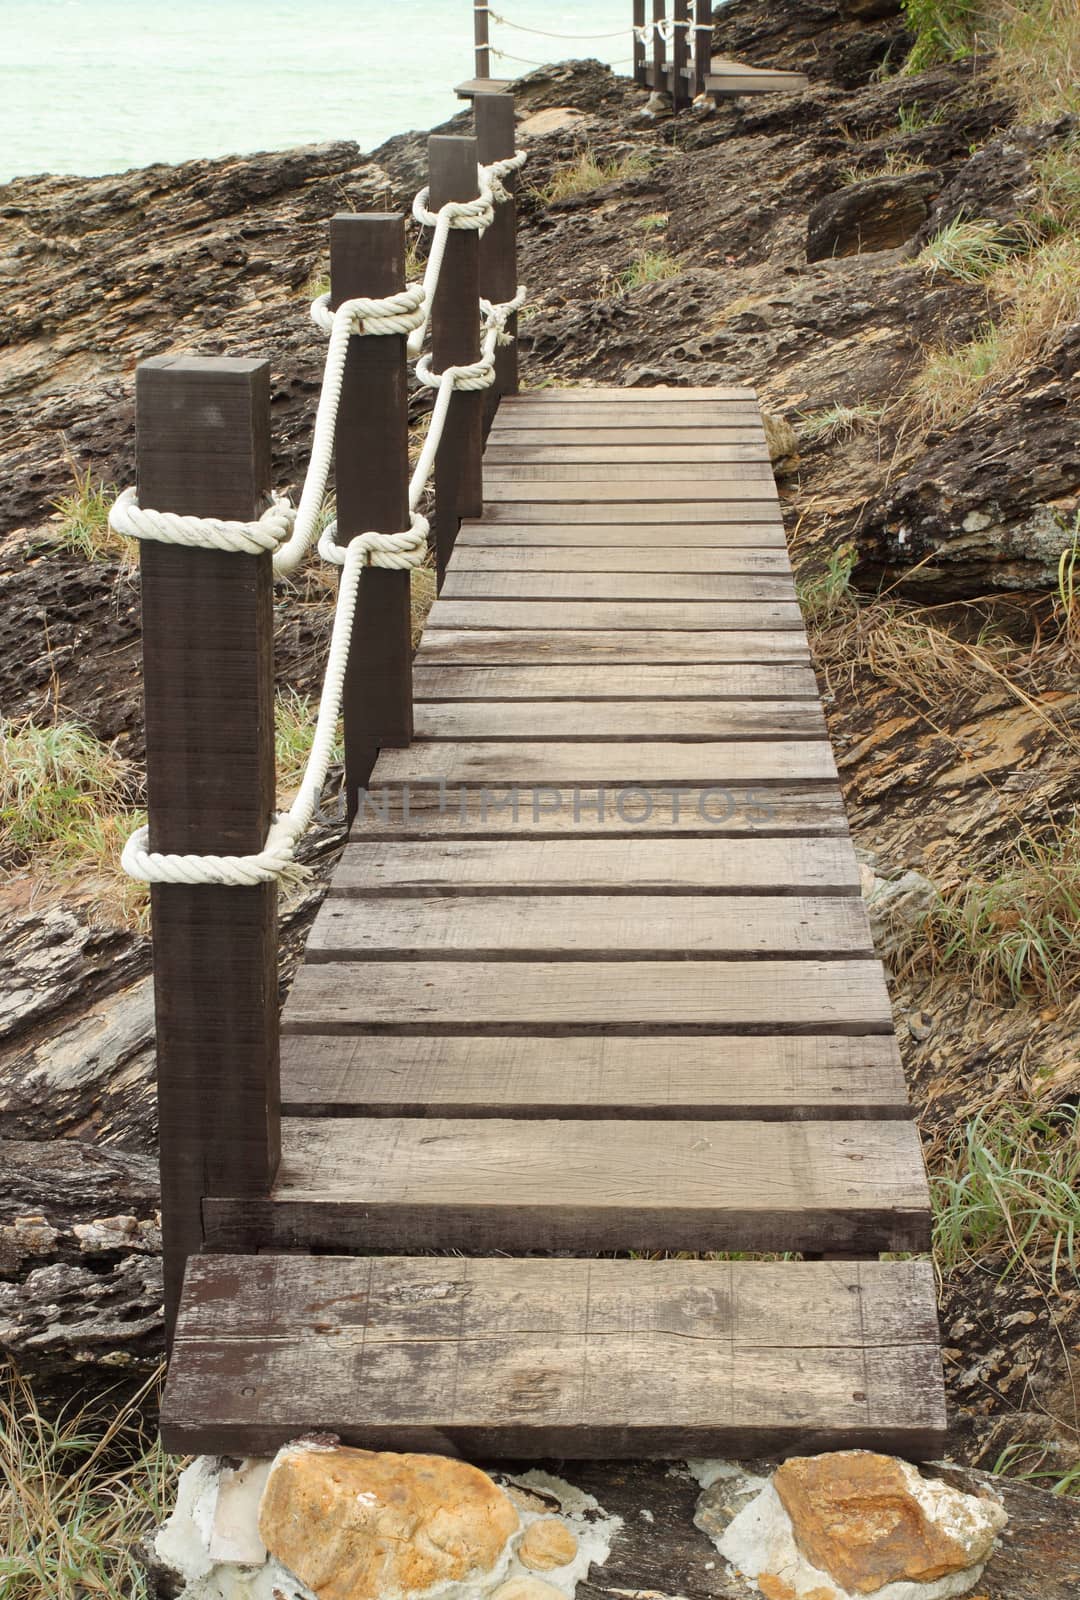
(547, 1544)
(877, 214)
(367, 1525)
(868, 1520)
(527, 1589)
(774, 1588)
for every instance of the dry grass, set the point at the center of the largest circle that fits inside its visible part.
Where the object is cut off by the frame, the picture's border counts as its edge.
(77, 1492)
(969, 250)
(648, 266)
(895, 165)
(588, 172)
(838, 423)
(1035, 43)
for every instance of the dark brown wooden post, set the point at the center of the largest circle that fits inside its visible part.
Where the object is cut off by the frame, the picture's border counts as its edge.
(371, 445)
(480, 37)
(203, 431)
(640, 74)
(680, 55)
(702, 44)
(659, 45)
(455, 341)
(495, 140)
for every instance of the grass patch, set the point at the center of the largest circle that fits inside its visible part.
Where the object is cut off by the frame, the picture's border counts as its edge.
(969, 250)
(82, 522)
(1014, 933)
(944, 30)
(1036, 45)
(828, 592)
(913, 118)
(648, 266)
(1058, 172)
(76, 1494)
(655, 222)
(1033, 1462)
(895, 165)
(67, 808)
(588, 172)
(1010, 1181)
(837, 423)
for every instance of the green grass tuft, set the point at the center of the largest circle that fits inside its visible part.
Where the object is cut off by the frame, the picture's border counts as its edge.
(83, 519)
(968, 250)
(588, 172)
(838, 422)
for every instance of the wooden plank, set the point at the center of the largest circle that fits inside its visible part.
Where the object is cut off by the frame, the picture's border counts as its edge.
(669, 720)
(673, 441)
(573, 927)
(659, 393)
(208, 673)
(828, 997)
(695, 587)
(629, 537)
(618, 487)
(686, 683)
(669, 414)
(557, 1358)
(616, 615)
(642, 647)
(612, 557)
(543, 765)
(800, 1078)
(421, 811)
(617, 475)
(775, 867)
(371, 477)
(503, 453)
(501, 1183)
(476, 86)
(705, 513)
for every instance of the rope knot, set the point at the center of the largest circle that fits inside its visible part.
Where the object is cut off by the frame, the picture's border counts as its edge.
(399, 313)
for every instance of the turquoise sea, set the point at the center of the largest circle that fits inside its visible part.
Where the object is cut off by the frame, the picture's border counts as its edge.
(94, 86)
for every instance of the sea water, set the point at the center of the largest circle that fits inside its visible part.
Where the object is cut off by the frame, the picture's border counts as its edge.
(97, 86)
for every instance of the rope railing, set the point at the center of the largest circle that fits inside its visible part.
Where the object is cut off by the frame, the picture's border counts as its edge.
(288, 532)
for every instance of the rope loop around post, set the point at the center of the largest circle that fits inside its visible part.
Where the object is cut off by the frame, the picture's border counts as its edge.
(132, 521)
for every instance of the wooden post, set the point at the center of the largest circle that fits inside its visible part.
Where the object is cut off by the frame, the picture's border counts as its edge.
(659, 46)
(702, 44)
(640, 73)
(680, 55)
(371, 449)
(203, 448)
(495, 140)
(481, 37)
(455, 340)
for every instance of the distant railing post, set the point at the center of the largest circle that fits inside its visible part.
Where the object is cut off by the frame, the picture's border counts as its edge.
(640, 74)
(481, 38)
(680, 54)
(495, 140)
(371, 449)
(702, 44)
(659, 45)
(203, 449)
(455, 341)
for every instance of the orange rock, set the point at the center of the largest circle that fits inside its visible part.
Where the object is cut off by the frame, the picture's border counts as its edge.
(548, 1543)
(774, 1588)
(868, 1520)
(367, 1525)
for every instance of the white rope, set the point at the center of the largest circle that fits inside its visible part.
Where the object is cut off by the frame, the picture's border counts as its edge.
(546, 33)
(288, 533)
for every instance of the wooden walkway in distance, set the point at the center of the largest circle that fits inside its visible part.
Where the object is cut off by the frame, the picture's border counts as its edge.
(594, 976)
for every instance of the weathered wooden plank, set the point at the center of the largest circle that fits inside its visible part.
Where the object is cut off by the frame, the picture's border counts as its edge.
(571, 1076)
(768, 866)
(670, 416)
(500, 454)
(616, 477)
(620, 488)
(419, 811)
(508, 435)
(617, 615)
(704, 513)
(570, 530)
(738, 681)
(828, 997)
(500, 1183)
(573, 927)
(544, 765)
(495, 647)
(661, 558)
(610, 586)
(564, 1358)
(661, 393)
(621, 719)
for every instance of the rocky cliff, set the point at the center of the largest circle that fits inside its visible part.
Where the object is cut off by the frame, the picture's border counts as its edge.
(790, 232)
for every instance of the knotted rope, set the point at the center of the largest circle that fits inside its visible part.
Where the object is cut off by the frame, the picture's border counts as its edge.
(288, 533)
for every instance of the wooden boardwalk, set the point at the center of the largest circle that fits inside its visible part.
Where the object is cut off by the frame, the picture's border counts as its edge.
(593, 977)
